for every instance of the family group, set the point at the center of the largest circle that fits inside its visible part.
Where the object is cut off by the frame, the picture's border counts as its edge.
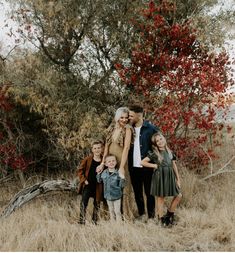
(135, 158)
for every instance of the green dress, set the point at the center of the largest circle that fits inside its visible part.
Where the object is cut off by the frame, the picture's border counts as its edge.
(163, 180)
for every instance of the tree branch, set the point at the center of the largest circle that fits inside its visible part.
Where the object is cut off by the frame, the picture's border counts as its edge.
(218, 173)
(27, 194)
(223, 169)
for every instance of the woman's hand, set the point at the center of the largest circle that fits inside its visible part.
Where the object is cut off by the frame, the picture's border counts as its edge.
(100, 168)
(121, 172)
(86, 182)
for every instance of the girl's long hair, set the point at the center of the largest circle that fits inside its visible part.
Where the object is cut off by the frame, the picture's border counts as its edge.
(156, 149)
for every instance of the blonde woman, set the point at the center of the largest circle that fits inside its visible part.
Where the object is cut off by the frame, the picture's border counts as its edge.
(119, 136)
(165, 179)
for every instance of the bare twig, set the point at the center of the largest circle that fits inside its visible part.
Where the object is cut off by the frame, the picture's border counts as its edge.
(219, 172)
(211, 161)
(5, 58)
(7, 178)
(223, 169)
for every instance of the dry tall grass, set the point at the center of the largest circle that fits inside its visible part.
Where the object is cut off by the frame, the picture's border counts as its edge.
(205, 222)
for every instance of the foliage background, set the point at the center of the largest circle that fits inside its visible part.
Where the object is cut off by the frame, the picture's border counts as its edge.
(66, 89)
(62, 92)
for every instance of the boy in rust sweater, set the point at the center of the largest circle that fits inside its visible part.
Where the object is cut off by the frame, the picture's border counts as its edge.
(88, 186)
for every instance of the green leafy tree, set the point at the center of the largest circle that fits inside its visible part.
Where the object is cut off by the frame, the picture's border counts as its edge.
(68, 80)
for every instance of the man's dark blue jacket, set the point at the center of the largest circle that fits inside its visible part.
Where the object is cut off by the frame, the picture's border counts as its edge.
(146, 132)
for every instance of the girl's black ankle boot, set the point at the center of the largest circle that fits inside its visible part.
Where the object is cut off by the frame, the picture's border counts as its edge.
(161, 220)
(169, 218)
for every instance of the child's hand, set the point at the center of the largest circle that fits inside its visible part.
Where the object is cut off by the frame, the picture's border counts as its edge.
(86, 182)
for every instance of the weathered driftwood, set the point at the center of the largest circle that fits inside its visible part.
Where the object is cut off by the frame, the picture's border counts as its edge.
(32, 192)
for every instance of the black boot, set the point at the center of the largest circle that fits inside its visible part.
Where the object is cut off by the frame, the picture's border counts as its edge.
(82, 217)
(169, 218)
(161, 220)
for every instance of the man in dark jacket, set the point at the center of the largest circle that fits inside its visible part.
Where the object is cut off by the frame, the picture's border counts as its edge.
(140, 176)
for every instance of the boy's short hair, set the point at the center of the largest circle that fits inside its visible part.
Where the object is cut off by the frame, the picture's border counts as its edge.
(109, 155)
(96, 142)
(136, 108)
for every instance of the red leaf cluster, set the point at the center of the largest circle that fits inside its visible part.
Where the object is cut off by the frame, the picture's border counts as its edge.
(9, 155)
(183, 83)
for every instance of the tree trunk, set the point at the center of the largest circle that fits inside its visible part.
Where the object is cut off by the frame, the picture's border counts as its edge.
(32, 192)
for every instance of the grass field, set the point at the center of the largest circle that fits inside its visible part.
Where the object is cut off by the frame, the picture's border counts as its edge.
(206, 220)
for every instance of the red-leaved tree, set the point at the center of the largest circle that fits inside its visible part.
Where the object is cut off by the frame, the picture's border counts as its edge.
(11, 157)
(181, 82)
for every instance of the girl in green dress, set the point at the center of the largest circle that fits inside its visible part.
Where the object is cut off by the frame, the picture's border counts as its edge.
(165, 179)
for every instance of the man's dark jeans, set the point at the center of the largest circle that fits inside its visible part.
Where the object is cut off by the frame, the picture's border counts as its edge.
(141, 178)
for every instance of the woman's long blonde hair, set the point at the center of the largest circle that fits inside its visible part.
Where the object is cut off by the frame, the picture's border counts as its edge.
(156, 149)
(119, 113)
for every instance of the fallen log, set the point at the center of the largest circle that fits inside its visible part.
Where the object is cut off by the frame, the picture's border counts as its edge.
(29, 193)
